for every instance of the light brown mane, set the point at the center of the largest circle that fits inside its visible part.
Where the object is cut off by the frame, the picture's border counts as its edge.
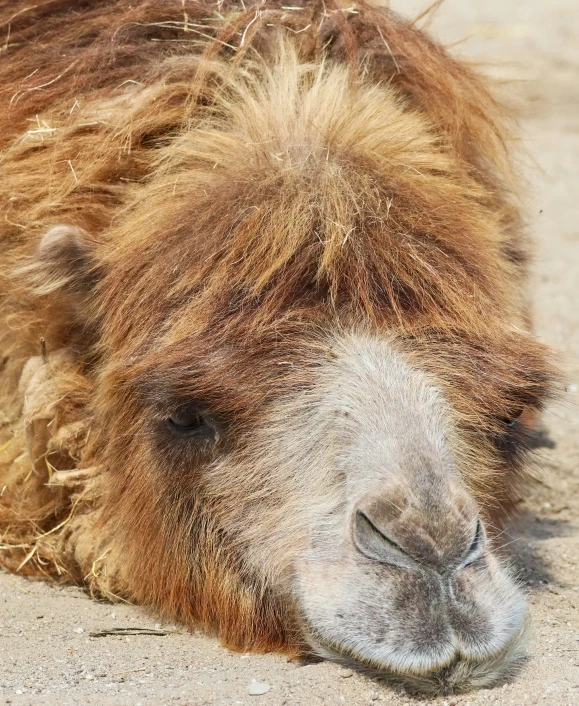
(96, 153)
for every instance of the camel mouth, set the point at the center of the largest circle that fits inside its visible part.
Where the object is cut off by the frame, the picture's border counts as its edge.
(433, 632)
(455, 674)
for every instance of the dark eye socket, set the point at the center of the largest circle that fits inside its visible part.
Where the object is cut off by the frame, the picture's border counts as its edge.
(516, 433)
(190, 419)
(187, 418)
(512, 420)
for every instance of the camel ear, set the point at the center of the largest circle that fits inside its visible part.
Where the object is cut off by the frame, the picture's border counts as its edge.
(64, 262)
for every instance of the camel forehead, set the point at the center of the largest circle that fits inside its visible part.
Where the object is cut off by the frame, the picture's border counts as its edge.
(363, 361)
(293, 185)
(374, 383)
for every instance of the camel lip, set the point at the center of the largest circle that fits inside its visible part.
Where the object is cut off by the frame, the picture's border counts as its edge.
(458, 674)
(326, 647)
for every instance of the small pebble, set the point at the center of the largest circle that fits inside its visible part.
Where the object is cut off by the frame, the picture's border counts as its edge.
(257, 688)
(346, 673)
(78, 630)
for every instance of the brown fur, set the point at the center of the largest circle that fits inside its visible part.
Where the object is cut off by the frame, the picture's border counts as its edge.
(222, 235)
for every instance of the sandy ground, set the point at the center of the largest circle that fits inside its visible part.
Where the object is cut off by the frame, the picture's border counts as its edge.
(47, 655)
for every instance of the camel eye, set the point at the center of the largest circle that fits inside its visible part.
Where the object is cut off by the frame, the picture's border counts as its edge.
(191, 420)
(512, 420)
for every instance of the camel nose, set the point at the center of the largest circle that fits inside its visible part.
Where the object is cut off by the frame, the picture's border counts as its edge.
(442, 538)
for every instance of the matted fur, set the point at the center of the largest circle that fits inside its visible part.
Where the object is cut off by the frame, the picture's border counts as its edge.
(237, 182)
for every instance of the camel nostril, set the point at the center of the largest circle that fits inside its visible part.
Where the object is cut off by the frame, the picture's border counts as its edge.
(412, 542)
(374, 544)
(477, 546)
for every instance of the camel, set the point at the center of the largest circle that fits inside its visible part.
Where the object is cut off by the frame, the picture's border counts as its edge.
(267, 365)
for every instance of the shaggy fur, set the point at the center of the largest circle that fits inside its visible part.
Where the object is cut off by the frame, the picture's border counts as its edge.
(238, 182)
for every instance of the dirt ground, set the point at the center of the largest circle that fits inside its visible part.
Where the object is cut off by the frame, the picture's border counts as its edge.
(47, 655)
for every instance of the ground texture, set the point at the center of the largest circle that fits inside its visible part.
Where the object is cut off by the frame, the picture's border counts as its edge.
(47, 655)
